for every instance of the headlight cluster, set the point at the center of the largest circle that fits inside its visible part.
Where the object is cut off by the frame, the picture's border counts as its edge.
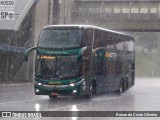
(72, 84)
(37, 83)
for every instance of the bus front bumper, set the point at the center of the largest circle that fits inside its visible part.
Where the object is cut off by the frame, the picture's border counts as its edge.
(65, 90)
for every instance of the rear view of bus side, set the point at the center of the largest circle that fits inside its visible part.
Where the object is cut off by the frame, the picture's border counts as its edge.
(113, 61)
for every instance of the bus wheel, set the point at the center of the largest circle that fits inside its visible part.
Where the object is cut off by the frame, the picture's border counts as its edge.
(127, 85)
(90, 95)
(94, 86)
(53, 96)
(121, 88)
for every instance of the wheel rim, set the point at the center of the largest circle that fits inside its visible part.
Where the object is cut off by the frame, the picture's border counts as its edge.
(91, 92)
(120, 88)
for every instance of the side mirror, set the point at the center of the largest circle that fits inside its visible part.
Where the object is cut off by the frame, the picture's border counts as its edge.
(100, 53)
(27, 52)
(83, 54)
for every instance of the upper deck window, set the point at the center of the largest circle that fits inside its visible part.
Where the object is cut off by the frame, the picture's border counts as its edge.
(60, 38)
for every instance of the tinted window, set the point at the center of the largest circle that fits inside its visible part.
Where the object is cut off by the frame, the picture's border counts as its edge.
(60, 38)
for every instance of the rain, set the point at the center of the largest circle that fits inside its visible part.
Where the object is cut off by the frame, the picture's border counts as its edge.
(79, 56)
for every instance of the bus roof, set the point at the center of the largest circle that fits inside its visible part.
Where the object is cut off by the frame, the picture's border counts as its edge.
(84, 26)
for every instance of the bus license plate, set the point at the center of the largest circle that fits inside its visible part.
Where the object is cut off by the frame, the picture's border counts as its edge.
(54, 93)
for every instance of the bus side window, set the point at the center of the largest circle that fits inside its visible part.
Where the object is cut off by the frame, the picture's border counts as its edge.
(100, 39)
(119, 45)
(118, 67)
(85, 67)
(126, 46)
(88, 38)
(130, 45)
(111, 67)
(84, 71)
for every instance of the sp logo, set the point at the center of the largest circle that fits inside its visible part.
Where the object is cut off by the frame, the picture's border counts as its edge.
(7, 15)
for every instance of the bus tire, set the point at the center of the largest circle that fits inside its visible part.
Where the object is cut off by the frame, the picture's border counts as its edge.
(94, 86)
(121, 87)
(90, 95)
(127, 85)
(53, 96)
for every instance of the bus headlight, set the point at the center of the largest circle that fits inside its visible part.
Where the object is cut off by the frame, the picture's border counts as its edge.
(72, 84)
(37, 90)
(74, 91)
(39, 83)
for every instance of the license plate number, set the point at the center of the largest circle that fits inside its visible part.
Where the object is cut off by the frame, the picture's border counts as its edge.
(54, 93)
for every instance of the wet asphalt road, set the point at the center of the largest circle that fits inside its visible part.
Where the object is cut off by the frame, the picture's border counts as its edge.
(144, 96)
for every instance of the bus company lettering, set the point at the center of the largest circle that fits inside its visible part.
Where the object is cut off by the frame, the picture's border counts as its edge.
(55, 83)
(48, 57)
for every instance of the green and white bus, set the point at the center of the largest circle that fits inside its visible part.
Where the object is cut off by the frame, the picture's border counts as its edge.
(82, 60)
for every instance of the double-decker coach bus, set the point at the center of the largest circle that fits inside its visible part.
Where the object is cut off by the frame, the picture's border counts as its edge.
(82, 60)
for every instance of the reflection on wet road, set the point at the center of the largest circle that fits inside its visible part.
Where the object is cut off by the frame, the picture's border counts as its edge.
(144, 96)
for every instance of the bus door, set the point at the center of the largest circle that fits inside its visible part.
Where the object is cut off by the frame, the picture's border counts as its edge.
(100, 70)
(111, 69)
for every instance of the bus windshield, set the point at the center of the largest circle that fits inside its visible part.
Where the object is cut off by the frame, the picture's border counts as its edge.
(60, 38)
(57, 67)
